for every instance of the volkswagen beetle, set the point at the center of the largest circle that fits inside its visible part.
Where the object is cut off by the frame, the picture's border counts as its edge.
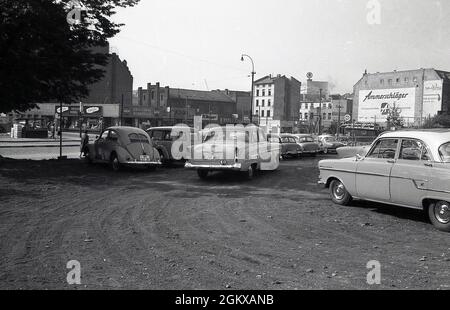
(123, 146)
(403, 168)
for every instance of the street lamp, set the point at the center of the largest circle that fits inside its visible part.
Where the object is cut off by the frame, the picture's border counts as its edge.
(253, 81)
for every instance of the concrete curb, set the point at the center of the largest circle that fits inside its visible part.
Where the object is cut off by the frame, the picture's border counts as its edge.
(30, 146)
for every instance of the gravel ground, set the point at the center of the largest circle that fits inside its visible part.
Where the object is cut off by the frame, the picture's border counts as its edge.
(169, 230)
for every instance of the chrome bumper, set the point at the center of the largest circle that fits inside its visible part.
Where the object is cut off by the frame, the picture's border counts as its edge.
(143, 163)
(236, 166)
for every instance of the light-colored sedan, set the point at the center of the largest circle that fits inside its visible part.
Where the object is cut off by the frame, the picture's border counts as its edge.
(329, 144)
(246, 150)
(123, 146)
(404, 168)
(307, 144)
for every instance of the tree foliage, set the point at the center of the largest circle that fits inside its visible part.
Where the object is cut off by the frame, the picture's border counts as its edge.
(394, 118)
(438, 121)
(44, 58)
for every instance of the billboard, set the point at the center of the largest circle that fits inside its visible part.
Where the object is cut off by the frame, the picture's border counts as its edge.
(432, 98)
(374, 105)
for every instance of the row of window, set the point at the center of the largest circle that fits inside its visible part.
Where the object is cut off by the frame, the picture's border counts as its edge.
(325, 116)
(307, 106)
(263, 93)
(263, 113)
(263, 102)
(153, 96)
(397, 81)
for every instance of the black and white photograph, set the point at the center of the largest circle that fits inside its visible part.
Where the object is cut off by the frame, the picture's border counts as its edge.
(208, 147)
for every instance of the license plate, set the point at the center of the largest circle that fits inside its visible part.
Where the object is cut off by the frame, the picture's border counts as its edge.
(145, 158)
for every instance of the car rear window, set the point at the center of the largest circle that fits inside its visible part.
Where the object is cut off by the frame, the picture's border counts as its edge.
(138, 138)
(444, 152)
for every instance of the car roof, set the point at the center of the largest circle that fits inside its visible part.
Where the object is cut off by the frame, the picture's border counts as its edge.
(434, 138)
(125, 129)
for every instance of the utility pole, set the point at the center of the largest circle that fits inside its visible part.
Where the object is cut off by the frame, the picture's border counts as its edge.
(121, 111)
(253, 83)
(320, 112)
(80, 118)
(339, 121)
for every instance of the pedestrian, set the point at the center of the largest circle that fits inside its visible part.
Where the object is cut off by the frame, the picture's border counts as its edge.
(52, 129)
(84, 143)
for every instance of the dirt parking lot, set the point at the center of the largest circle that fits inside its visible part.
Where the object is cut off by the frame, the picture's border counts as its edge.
(169, 230)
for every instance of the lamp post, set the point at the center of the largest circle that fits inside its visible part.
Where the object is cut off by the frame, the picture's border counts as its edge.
(253, 81)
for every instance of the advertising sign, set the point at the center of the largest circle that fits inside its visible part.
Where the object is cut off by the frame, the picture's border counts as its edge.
(376, 104)
(432, 98)
(92, 111)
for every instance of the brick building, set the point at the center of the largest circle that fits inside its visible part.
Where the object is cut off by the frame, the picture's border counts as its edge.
(165, 106)
(276, 103)
(417, 94)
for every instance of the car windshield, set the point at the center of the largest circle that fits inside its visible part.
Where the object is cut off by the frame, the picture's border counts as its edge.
(330, 139)
(138, 138)
(444, 152)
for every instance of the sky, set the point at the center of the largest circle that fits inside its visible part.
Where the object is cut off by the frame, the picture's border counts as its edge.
(198, 43)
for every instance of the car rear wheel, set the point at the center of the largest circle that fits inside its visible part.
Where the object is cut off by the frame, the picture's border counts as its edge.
(439, 214)
(339, 193)
(115, 164)
(202, 174)
(250, 173)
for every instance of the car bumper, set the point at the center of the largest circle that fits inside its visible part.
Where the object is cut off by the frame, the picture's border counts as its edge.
(142, 163)
(234, 167)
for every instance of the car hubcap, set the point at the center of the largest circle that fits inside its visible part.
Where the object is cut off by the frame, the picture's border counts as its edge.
(442, 212)
(339, 191)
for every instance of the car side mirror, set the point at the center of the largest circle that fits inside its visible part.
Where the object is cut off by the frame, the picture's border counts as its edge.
(96, 137)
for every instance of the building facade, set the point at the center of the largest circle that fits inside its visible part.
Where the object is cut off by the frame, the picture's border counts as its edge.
(311, 91)
(164, 106)
(101, 108)
(276, 103)
(416, 94)
(329, 112)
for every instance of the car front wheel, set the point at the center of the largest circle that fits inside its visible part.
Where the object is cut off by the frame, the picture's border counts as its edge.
(339, 193)
(439, 214)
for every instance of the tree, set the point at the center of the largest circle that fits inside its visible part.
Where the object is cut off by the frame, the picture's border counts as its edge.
(438, 121)
(45, 58)
(394, 119)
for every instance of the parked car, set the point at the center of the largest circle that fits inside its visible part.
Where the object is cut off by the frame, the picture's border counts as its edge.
(163, 139)
(403, 168)
(220, 152)
(328, 144)
(307, 143)
(352, 151)
(289, 146)
(123, 146)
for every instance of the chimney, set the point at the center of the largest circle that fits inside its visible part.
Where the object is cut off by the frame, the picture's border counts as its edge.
(140, 95)
(149, 94)
(157, 94)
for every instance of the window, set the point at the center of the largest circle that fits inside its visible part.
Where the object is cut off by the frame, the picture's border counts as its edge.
(263, 92)
(444, 152)
(381, 81)
(390, 81)
(406, 80)
(138, 138)
(162, 97)
(104, 135)
(153, 95)
(330, 106)
(263, 103)
(329, 116)
(324, 115)
(413, 150)
(385, 148)
(269, 103)
(306, 115)
(312, 115)
(270, 92)
(398, 80)
(268, 113)
(257, 93)
(157, 135)
(262, 113)
(257, 102)
(113, 136)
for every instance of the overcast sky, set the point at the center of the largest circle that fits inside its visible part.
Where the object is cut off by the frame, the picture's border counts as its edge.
(198, 43)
